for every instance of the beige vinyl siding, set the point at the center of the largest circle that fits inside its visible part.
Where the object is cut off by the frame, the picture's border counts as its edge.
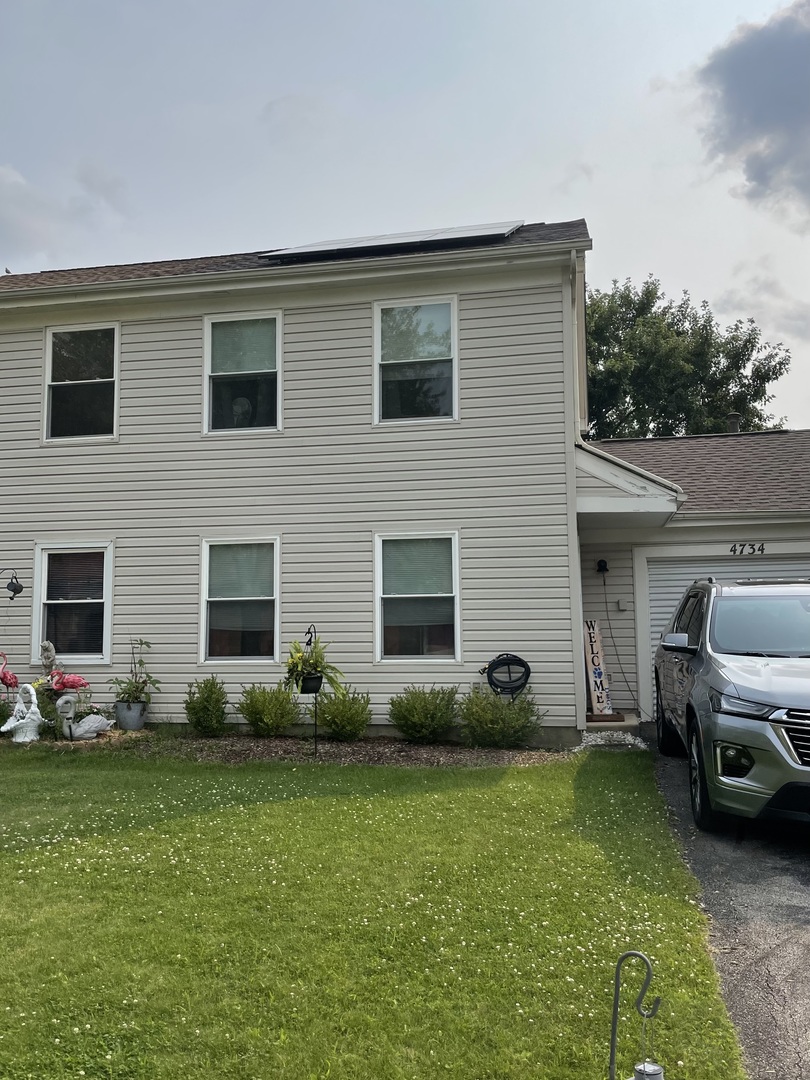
(601, 596)
(325, 485)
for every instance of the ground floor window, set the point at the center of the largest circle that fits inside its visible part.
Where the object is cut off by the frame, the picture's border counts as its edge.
(240, 602)
(418, 597)
(74, 590)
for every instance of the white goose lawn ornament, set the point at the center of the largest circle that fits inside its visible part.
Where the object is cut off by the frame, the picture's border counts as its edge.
(86, 728)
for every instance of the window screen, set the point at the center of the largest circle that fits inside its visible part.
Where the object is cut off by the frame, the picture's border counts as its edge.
(241, 601)
(416, 361)
(418, 601)
(81, 392)
(74, 602)
(244, 375)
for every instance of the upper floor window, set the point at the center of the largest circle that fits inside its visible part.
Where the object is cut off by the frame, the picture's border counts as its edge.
(73, 587)
(242, 365)
(416, 360)
(240, 605)
(417, 597)
(81, 367)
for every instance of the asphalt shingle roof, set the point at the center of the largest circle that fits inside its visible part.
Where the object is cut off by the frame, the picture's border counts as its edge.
(540, 233)
(751, 471)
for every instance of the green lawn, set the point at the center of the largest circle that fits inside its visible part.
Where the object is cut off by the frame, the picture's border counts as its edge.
(163, 919)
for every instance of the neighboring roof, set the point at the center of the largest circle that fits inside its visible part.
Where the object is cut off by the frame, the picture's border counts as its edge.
(729, 473)
(573, 232)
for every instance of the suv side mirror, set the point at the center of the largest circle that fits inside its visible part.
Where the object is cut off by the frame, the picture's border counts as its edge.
(678, 643)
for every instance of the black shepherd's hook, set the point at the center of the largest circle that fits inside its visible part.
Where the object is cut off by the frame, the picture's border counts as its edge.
(645, 1014)
(310, 634)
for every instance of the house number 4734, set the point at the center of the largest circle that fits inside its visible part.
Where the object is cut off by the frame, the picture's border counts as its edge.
(747, 549)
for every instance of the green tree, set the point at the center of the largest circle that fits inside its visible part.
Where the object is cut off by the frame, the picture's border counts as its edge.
(660, 367)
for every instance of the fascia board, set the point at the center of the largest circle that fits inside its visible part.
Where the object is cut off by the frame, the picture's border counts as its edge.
(638, 505)
(231, 281)
(739, 517)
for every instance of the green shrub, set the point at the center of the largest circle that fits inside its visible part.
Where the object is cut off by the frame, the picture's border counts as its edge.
(206, 704)
(6, 709)
(424, 715)
(268, 710)
(489, 719)
(345, 716)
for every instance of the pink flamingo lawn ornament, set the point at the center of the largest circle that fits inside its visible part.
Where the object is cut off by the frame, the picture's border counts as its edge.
(62, 682)
(8, 678)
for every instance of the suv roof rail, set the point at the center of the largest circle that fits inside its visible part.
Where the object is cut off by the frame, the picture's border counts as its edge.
(773, 581)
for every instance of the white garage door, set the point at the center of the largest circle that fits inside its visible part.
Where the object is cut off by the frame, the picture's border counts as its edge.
(669, 579)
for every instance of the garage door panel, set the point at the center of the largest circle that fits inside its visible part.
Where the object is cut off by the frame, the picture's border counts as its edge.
(670, 577)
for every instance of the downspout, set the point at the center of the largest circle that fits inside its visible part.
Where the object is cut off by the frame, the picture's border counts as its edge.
(581, 360)
(571, 360)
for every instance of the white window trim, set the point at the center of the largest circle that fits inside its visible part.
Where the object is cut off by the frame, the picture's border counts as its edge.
(41, 553)
(379, 305)
(205, 546)
(47, 383)
(439, 534)
(240, 316)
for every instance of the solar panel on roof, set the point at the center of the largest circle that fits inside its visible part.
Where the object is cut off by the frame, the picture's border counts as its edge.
(432, 236)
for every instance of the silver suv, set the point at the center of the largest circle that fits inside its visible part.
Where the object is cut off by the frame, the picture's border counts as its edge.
(732, 685)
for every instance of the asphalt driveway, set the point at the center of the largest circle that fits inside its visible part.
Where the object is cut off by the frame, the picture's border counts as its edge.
(756, 889)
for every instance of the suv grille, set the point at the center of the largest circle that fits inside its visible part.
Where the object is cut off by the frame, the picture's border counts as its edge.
(800, 741)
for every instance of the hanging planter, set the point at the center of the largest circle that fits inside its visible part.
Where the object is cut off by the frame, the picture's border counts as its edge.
(310, 684)
(308, 668)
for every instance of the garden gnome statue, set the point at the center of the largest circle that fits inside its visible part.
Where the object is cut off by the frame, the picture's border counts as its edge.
(25, 721)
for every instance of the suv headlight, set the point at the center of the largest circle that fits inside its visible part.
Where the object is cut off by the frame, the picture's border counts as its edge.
(723, 703)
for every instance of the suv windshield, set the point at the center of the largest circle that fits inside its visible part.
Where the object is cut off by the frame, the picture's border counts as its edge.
(761, 625)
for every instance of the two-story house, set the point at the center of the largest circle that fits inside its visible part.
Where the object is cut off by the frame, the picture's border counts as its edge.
(380, 436)
(375, 436)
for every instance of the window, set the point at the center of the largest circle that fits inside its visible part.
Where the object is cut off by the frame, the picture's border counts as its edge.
(689, 617)
(242, 360)
(82, 363)
(240, 607)
(418, 597)
(73, 593)
(415, 344)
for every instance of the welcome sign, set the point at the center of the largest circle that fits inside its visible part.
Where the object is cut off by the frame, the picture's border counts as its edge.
(598, 691)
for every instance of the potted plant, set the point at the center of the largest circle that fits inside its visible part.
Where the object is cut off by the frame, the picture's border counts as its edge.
(134, 693)
(308, 668)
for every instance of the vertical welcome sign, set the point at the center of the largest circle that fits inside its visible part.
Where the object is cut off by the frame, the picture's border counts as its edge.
(598, 691)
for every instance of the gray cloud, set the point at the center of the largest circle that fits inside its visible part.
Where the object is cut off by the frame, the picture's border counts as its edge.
(758, 91)
(102, 186)
(37, 227)
(766, 299)
(576, 172)
(29, 220)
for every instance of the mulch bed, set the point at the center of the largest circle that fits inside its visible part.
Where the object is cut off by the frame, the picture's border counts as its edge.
(238, 749)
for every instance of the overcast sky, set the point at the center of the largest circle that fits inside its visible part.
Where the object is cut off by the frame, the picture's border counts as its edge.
(680, 129)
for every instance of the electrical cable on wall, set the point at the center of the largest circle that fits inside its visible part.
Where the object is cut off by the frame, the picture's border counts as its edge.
(633, 698)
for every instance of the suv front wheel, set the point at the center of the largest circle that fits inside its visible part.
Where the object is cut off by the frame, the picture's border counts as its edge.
(705, 817)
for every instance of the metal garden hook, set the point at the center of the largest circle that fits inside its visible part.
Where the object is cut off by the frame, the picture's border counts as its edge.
(645, 1014)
